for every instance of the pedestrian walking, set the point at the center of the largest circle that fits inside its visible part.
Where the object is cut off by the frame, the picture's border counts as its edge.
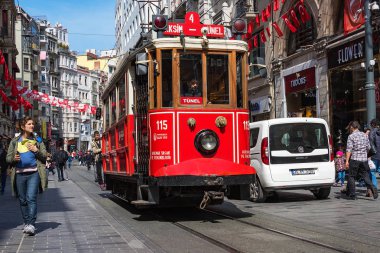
(97, 150)
(3, 167)
(340, 168)
(356, 159)
(60, 158)
(49, 165)
(374, 138)
(27, 159)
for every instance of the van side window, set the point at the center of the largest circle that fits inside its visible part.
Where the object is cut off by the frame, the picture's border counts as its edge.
(253, 136)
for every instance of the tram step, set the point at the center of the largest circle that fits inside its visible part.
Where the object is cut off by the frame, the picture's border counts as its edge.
(143, 203)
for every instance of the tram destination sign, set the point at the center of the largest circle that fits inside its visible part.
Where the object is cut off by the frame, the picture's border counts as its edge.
(193, 27)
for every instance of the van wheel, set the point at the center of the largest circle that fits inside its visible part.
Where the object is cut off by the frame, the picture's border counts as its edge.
(322, 193)
(256, 192)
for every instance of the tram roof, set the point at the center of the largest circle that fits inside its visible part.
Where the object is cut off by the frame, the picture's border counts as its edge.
(175, 42)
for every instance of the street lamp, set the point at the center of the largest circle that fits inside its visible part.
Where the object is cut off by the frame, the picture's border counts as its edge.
(369, 61)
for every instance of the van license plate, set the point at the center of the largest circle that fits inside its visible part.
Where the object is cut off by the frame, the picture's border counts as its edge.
(302, 172)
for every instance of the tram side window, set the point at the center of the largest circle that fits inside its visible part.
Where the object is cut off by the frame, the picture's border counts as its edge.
(121, 88)
(113, 106)
(218, 91)
(166, 75)
(191, 75)
(107, 106)
(239, 80)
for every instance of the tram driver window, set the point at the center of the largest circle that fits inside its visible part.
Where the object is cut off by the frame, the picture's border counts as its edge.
(217, 79)
(191, 75)
(166, 65)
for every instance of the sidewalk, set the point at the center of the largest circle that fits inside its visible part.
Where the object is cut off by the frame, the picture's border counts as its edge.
(68, 220)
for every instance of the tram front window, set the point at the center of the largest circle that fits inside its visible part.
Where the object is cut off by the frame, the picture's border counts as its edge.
(191, 75)
(217, 79)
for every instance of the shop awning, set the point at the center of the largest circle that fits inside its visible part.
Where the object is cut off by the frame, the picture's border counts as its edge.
(15, 67)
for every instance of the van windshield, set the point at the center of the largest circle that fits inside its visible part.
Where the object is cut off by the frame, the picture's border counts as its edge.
(291, 136)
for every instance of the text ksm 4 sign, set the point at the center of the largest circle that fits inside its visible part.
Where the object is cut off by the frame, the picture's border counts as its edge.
(193, 27)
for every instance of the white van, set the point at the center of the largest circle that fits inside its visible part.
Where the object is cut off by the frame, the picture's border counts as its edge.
(291, 153)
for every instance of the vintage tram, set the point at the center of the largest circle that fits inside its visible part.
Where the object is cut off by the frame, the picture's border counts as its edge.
(176, 123)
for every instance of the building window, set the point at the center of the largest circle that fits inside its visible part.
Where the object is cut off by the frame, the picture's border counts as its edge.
(304, 36)
(26, 64)
(5, 23)
(256, 57)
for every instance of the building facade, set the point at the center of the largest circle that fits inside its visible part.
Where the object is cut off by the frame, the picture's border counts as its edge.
(9, 51)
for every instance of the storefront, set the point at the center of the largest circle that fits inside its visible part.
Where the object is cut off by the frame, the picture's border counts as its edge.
(300, 91)
(260, 108)
(347, 78)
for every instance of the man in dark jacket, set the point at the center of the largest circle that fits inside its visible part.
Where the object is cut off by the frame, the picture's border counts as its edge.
(60, 158)
(3, 167)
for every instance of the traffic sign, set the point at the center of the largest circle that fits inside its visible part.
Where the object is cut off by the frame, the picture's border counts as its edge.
(193, 27)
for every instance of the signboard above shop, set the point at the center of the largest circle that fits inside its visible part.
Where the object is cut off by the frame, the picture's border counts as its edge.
(351, 51)
(193, 27)
(300, 81)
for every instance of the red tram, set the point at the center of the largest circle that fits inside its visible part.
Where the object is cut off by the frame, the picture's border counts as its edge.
(176, 123)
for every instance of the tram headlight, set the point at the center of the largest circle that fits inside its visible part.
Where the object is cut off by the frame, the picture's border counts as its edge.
(206, 142)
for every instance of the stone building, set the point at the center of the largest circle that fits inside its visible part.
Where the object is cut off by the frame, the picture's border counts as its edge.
(8, 48)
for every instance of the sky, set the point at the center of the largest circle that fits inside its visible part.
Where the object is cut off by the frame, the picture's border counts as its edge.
(90, 23)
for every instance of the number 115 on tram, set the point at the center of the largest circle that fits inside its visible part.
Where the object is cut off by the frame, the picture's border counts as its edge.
(176, 123)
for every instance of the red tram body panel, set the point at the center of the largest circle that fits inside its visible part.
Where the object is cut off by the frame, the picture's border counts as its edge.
(176, 123)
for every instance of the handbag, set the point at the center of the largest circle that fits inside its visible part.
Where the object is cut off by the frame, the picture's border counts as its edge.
(372, 151)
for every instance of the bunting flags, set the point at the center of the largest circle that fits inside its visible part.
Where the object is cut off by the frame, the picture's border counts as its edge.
(17, 91)
(294, 18)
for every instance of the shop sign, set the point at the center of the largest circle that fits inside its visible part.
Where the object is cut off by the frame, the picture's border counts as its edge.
(349, 52)
(300, 81)
(259, 105)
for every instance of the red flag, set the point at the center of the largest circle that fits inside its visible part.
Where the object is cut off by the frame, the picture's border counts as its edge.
(275, 5)
(250, 28)
(288, 23)
(264, 15)
(6, 73)
(4, 96)
(250, 44)
(13, 104)
(278, 30)
(258, 20)
(282, 1)
(293, 15)
(268, 10)
(268, 31)
(2, 59)
(255, 41)
(23, 90)
(93, 109)
(14, 89)
(262, 36)
(305, 16)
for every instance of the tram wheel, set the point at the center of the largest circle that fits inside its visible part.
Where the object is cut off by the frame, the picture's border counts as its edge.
(256, 192)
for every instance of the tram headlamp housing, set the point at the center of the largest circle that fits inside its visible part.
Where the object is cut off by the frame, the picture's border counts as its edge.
(206, 142)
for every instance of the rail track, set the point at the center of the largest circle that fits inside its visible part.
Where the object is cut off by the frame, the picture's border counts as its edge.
(220, 243)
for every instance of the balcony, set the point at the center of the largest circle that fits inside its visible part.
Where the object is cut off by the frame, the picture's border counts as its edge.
(43, 39)
(246, 9)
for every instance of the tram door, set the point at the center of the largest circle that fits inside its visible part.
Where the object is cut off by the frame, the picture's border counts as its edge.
(141, 124)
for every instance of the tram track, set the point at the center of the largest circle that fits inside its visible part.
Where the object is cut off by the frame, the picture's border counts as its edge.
(303, 239)
(219, 243)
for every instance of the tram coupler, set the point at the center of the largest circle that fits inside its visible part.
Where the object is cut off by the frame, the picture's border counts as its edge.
(211, 198)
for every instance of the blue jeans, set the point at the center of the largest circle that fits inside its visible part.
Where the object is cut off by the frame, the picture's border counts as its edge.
(341, 176)
(377, 164)
(27, 189)
(372, 176)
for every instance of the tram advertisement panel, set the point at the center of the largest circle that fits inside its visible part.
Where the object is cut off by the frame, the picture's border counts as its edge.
(162, 142)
